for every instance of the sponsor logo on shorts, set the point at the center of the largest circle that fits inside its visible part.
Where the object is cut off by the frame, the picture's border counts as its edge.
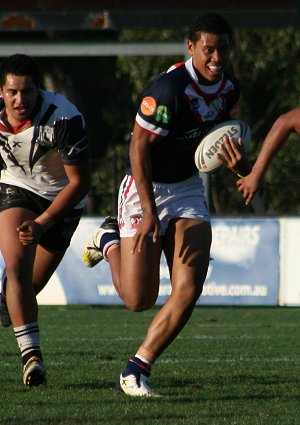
(162, 114)
(148, 106)
(135, 220)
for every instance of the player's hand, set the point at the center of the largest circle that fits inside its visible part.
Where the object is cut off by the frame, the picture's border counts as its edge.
(148, 224)
(248, 186)
(233, 156)
(30, 232)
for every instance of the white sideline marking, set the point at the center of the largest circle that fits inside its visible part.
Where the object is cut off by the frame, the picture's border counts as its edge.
(183, 338)
(235, 360)
(184, 360)
(199, 359)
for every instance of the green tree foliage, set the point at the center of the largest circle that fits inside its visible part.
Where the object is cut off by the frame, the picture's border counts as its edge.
(108, 91)
(267, 64)
(132, 74)
(105, 101)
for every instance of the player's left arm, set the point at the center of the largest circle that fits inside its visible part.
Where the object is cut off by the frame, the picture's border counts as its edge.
(73, 147)
(77, 188)
(74, 150)
(275, 139)
(234, 156)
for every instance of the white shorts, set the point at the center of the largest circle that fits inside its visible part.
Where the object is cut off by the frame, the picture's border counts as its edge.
(185, 199)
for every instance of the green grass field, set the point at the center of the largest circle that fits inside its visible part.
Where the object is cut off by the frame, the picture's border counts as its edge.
(233, 366)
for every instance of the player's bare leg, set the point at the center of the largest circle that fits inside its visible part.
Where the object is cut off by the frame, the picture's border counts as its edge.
(45, 264)
(139, 274)
(19, 264)
(188, 257)
(20, 296)
(188, 266)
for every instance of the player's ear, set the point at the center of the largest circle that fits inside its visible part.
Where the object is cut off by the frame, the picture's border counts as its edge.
(190, 47)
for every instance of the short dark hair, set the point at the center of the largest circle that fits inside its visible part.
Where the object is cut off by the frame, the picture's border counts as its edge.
(210, 23)
(20, 65)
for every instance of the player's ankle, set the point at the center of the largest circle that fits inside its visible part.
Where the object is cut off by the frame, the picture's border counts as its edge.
(136, 366)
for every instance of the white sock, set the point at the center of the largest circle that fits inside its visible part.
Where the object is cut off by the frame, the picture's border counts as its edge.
(143, 359)
(28, 338)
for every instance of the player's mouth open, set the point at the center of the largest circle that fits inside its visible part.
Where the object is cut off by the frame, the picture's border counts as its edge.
(215, 69)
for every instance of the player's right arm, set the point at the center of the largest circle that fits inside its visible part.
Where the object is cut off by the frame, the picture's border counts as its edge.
(275, 139)
(149, 129)
(139, 154)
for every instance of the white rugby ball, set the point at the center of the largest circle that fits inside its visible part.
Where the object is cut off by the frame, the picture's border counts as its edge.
(206, 155)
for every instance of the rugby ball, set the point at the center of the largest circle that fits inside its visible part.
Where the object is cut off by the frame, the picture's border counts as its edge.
(206, 154)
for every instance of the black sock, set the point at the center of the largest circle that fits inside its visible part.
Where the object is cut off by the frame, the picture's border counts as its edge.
(135, 366)
(107, 240)
(33, 353)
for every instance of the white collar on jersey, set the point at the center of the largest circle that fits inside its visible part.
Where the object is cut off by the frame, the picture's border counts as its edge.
(206, 89)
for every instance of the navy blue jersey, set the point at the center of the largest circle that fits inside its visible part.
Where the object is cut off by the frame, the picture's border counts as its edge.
(178, 108)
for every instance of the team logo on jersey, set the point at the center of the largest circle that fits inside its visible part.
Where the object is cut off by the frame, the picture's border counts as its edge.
(206, 107)
(148, 106)
(135, 220)
(163, 114)
(45, 136)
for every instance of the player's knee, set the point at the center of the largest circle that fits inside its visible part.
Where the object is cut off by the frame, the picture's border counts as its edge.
(139, 305)
(17, 278)
(188, 292)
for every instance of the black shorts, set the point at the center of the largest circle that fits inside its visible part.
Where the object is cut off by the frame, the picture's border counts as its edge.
(58, 237)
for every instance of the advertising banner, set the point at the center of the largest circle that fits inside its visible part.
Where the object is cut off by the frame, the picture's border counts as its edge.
(245, 265)
(244, 269)
(290, 249)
